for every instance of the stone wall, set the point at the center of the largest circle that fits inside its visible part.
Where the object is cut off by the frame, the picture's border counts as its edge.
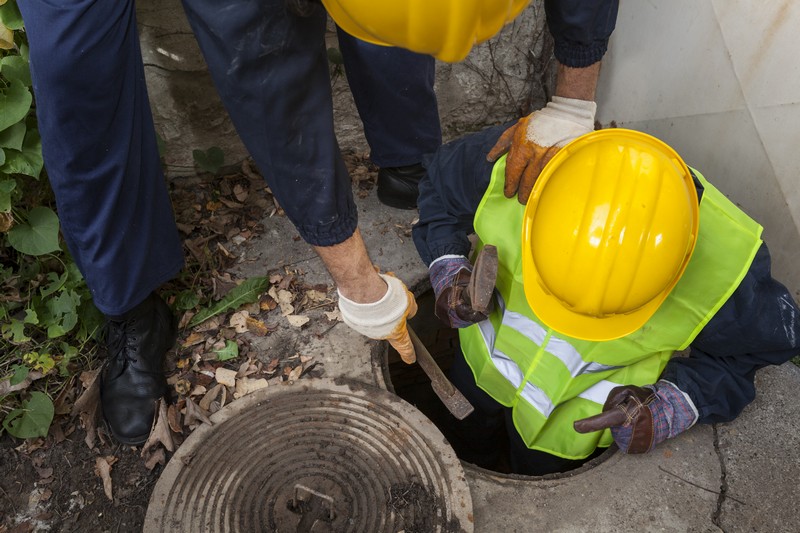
(499, 81)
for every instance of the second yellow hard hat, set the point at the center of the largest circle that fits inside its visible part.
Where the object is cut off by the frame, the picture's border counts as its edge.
(445, 29)
(608, 231)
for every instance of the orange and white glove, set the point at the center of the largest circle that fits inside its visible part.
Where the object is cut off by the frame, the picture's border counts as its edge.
(386, 318)
(535, 139)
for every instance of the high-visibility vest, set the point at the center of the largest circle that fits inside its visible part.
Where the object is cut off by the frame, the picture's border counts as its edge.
(550, 380)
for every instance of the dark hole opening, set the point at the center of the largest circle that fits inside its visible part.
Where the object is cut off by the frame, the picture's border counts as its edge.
(412, 384)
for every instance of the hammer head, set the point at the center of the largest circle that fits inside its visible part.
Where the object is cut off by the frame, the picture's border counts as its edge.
(482, 281)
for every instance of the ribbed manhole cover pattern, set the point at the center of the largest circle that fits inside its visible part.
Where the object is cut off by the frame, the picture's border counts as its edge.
(314, 456)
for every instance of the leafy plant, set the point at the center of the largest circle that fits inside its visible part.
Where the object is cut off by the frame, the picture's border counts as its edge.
(210, 160)
(47, 320)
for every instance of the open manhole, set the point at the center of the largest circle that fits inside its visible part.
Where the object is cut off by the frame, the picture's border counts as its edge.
(412, 384)
(317, 456)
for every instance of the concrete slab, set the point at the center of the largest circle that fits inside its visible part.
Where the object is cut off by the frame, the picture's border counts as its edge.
(740, 476)
(759, 456)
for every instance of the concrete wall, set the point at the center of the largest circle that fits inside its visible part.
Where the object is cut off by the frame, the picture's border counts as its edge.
(719, 80)
(500, 80)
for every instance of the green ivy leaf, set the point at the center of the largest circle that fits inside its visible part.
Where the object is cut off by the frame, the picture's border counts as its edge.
(30, 317)
(186, 300)
(2, 156)
(32, 419)
(6, 188)
(70, 352)
(210, 160)
(20, 373)
(15, 330)
(15, 101)
(62, 313)
(13, 136)
(55, 283)
(230, 351)
(16, 68)
(10, 16)
(245, 293)
(29, 160)
(38, 235)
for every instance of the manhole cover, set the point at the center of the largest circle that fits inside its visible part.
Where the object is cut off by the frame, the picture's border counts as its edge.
(316, 456)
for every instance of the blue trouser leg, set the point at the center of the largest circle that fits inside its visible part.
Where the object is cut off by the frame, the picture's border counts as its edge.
(100, 148)
(393, 91)
(271, 70)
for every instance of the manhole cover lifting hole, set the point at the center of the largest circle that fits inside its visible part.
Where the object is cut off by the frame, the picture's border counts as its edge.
(339, 457)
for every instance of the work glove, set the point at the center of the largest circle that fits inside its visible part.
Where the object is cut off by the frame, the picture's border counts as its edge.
(642, 417)
(450, 275)
(535, 139)
(386, 318)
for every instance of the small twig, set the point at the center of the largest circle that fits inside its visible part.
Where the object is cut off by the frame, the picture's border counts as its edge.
(698, 486)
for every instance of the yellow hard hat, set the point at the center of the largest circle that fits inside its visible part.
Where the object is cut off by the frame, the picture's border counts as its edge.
(607, 233)
(445, 29)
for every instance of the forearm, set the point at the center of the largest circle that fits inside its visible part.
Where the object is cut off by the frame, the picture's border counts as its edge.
(456, 179)
(578, 83)
(758, 326)
(352, 270)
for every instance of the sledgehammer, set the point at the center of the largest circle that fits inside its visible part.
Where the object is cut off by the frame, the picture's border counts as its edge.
(480, 290)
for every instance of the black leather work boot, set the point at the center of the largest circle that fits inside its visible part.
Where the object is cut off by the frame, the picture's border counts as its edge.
(133, 377)
(398, 187)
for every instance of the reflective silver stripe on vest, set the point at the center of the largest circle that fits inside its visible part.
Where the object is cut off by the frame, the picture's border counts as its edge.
(562, 349)
(598, 393)
(512, 372)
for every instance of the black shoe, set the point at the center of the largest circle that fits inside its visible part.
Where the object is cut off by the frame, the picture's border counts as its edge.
(133, 378)
(398, 187)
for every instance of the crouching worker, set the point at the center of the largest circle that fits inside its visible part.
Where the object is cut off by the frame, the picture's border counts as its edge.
(622, 256)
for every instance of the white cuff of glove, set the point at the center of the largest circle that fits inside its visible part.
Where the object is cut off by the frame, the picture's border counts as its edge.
(560, 121)
(377, 320)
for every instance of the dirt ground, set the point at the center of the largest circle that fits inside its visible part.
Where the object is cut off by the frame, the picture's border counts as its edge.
(56, 483)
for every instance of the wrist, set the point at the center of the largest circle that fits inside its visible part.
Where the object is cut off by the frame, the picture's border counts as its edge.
(376, 319)
(444, 269)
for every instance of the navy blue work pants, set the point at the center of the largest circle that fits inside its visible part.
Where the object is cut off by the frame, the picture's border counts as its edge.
(270, 68)
(393, 92)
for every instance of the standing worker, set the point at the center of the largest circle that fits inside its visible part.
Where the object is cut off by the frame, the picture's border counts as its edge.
(447, 30)
(622, 256)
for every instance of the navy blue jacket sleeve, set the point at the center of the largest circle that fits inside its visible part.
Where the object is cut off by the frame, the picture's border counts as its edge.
(759, 325)
(457, 176)
(580, 29)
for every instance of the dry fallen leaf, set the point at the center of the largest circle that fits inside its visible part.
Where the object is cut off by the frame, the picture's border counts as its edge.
(158, 457)
(226, 376)
(245, 386)
(87, 406)
(102, 468)
(193, 339)
(294, 375)
(205, 403)
(334, 315)
(195, 415)
(257, 326)
(316, 296)
(238, 321)
(174, 419)
(160, 432)
(297, 321)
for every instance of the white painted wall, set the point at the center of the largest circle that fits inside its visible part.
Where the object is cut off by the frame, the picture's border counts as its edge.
(719, 80)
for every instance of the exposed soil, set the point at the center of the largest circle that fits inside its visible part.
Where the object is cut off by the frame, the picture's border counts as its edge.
(53, 484)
